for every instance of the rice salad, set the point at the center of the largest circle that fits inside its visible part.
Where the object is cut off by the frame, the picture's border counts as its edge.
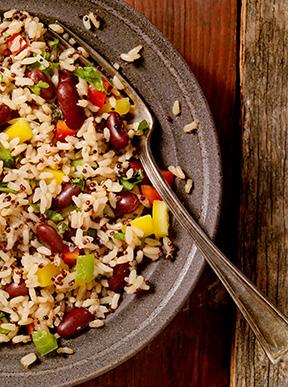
(78, 215)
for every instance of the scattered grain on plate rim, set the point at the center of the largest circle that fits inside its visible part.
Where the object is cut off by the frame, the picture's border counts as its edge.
(177, 171)
(132, 55)
(95, 20)
(65, 350)
(188, 186)
(176, 108)
(191, 127)
(28, 360)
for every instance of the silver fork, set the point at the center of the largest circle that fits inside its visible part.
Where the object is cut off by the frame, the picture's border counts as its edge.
(269, 325)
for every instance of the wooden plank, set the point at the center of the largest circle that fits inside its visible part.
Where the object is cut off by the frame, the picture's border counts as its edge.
(264, 200)
(193, 351)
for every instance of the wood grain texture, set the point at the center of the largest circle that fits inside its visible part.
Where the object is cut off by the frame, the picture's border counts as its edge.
(194, 350)
(264, 200)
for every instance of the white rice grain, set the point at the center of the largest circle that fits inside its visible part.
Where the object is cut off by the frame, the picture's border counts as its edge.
(191, 127)
(176, 109)
(28, 360)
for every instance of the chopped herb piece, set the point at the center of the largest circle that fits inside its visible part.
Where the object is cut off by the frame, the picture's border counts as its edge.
(33, 183)
(129, 183)
(36, 89)
(56, 112)
(4, 188)
(53, 43)
(55, 216)
(44, 342)
(77, 162)
(91, 232)
(1, 77)
(53, 65)
(46, 55)
(6, 36)
(3, 320)
(108, 211)
(79, 182)
(36, 208)
(91, 75)
(120, 236)
(143, 125)
(62, 227)
(6, 157)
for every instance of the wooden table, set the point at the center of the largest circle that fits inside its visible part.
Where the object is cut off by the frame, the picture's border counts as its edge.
(241, 65)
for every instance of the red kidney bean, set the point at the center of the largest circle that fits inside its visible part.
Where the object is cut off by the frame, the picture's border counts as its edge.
(50, 237)
(65, 75)
(137, 166)
(37, 75)
(15, 290)
(64, 199)
(74, 322)
(68, 97)
(126, 202)
(5, 114)
(118, 136)
(117, 282)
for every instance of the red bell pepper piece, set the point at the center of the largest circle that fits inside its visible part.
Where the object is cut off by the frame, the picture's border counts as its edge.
(62, 131)
(16, 43)
(107, 86)
(151, 193)
(70, 254)
(96, 97)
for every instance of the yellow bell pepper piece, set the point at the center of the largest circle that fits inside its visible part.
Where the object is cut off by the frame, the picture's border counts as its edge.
(46, 273)
(144, 223)
(160, 218)
(122, 106)
(20, 128)
(56, 175)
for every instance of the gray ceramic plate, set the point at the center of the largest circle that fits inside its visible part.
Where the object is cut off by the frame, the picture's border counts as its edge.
(161, 77)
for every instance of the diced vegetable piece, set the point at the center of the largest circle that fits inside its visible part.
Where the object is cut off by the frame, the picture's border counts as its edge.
(145, 224)
(106, 108)
(46, 273)
(20, 128)
(120, 236)
(57, 175)
(96, 97)
(160, 218)
(3, 320)
(44, 342)
(4, 188)
(150, 193)
(70, 254)
(84, 268)
(62, 131)
(6, 157)
(107, 86)
(168, 176)
(53, 215)
(122, 106)
(78, 162)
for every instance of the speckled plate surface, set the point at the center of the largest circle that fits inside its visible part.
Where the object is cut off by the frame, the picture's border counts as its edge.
(160, 77)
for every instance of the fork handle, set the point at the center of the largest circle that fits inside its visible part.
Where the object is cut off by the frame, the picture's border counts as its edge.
(269, 325)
